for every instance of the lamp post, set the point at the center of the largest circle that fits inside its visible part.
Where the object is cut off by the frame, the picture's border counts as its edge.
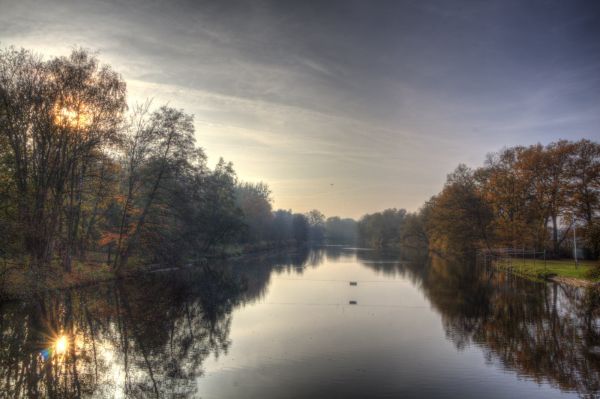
(575, 242)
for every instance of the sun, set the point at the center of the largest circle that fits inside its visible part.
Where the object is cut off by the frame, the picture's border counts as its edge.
(73, 117)
(60, 345)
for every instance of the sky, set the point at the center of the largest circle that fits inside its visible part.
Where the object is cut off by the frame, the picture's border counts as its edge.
(347, 106)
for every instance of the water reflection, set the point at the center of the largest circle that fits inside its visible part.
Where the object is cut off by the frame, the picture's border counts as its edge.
(140, 339)
(152, 337)
(545, 332)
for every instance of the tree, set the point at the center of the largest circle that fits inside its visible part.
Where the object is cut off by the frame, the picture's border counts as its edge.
(341, 230)
(508, 195)
(216, 218)
(557, 181)
(460, 219)
(255, 202)
(162, 148)
(382, 229)
(584, 190)
(57, 116)
(300, 227)
(316, 223)
(282, 225)
(414, 231)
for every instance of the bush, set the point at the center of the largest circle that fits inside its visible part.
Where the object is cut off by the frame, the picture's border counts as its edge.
(594, 272)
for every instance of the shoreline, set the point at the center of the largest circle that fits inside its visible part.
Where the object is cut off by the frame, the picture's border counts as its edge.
(573, 281)
(545, 276)
(92, 273)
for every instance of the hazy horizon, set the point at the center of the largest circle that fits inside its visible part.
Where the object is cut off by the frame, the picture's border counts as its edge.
(346, 107)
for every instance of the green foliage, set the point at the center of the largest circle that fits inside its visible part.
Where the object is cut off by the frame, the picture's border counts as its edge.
(593, 273)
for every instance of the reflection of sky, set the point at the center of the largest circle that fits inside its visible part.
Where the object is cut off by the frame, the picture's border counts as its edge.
(381, 100)
(303, 339)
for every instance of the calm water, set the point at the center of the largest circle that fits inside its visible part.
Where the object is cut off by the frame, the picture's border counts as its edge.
(292, 326)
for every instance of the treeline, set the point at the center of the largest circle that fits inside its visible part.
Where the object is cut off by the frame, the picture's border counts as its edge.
(530, 197)
(83, 176)
(392, 228)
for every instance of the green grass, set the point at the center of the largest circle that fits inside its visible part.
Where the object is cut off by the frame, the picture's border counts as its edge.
(538, 269)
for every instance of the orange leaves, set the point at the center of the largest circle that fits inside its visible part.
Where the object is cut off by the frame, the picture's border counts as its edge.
(108, 238)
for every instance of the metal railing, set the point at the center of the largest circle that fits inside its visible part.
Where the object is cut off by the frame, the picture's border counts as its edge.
(508, 258)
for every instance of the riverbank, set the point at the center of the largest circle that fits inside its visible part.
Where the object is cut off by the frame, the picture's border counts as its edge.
(563, 271)
(15, 282)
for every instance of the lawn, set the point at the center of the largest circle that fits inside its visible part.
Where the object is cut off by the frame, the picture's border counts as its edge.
(539, 268)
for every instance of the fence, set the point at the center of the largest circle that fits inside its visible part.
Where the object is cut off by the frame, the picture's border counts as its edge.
(512, 258)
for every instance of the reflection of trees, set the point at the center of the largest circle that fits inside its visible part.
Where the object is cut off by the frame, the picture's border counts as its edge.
(255, 271)
(544, 332)
(150, 338)
(284, 261)
(394, 263)
(334, 252)
(144, 339)
(26, 330)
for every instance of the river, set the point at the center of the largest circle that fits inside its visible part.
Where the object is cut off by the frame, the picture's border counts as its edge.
(331, 322)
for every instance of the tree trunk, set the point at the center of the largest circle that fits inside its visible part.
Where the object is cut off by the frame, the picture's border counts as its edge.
(555, 235)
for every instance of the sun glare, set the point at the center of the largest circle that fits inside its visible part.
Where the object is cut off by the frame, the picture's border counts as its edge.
(71, 117)
(61, 345)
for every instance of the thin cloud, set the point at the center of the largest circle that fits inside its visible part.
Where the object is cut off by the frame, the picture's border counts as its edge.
(384, 99)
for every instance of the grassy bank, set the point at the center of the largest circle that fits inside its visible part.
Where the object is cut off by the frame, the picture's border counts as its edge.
(16, 281)
(539, 269)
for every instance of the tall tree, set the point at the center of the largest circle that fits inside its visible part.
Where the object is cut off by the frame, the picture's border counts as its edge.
(56, 115)
(460, 218)
(557, 180)
(168, 145)
(585, 190)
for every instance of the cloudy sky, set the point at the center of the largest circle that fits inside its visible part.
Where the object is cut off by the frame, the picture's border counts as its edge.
(345, 106)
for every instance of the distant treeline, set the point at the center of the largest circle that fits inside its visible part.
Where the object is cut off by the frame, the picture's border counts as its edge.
(523, 197)
(82, 175)
(392, 228)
